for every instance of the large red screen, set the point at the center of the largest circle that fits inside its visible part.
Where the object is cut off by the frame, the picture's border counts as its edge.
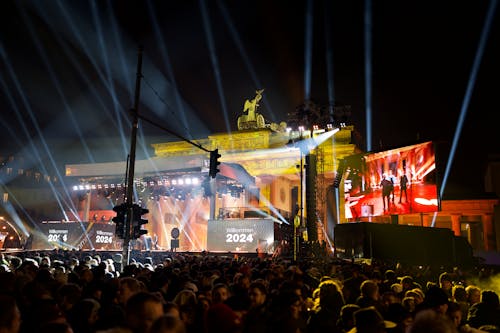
(390, 182)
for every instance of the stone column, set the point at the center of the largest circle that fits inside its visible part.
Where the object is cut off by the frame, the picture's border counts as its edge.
(488, 232)
(455, 224)
(425, 220)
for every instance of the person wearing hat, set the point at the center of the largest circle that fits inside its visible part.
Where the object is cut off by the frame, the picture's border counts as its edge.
(435, 299)
(346, 319)
(446, 283)
(369, 320)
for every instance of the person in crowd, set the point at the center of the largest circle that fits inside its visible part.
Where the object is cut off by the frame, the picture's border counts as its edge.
(369, 320)
(84, 315)
(160, 281)
(189, 308)
(127, 287)
(240, 285)
(457, 317)
(222, 319)
(430, 321)
(168, 324)
(287, 316)
(142, 310)
(10, 316)
(473, 294)
(401, 316)
(346, 318)
(68, 295)
(352, 284)
(270, 297)
(55, 328)
(390, 278)
(486, 312)
(459, 295)
(370, 295)
(408, 283)
(417, 294)
(220, 293)
(257, 318)
(409, 304)
(446, 283)
(172, 309)
(330, 302)
(436, 299)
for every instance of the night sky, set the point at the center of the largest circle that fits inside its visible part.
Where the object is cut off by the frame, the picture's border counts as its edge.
(68, 71)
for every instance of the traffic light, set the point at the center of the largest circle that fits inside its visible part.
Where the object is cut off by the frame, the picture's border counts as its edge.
(214, 163)
(119, 219)
(138, 221)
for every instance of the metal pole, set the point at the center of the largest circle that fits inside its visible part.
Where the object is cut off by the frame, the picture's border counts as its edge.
(131, 170)
(294, 243)
(297, 234)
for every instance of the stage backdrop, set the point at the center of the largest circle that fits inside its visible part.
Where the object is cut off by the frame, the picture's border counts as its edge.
(76, 235)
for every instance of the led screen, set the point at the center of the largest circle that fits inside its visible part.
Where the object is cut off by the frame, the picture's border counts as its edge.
(391, 182)
(75, 235)
(240, 235)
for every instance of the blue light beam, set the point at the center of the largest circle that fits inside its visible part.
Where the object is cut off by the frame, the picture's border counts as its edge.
(469, 90)
(308, 46)
(215, 63)
(368, 72)
(329, 61)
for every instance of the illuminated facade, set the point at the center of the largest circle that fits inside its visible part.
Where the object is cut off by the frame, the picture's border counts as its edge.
(268, 158)
(266, 171)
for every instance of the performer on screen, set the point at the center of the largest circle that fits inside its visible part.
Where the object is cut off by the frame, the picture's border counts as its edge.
(392, 179)
(403, 184)
(387, 188)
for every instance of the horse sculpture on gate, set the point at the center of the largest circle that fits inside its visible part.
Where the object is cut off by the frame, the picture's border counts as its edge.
(252, 120)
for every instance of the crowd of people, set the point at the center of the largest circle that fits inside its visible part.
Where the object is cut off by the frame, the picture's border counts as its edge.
(159, 292)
